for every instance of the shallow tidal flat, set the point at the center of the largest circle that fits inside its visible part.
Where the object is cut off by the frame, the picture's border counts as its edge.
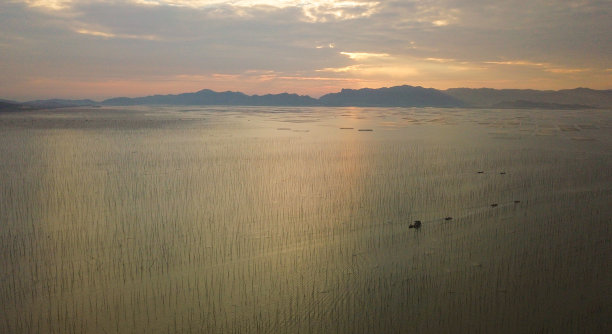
(296, 220)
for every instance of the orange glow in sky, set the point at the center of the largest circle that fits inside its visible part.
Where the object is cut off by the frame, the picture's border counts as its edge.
(99, 49)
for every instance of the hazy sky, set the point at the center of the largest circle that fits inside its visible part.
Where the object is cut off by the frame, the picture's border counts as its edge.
(99, 49)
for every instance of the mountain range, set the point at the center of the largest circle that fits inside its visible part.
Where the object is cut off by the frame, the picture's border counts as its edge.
(398, 96)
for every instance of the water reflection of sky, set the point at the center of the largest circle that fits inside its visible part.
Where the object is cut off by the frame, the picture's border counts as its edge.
(279, 219)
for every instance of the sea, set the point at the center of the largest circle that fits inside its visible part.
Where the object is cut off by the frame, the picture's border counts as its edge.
(226, 219)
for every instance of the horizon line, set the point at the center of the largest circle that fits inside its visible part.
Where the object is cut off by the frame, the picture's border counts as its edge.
(289, 93)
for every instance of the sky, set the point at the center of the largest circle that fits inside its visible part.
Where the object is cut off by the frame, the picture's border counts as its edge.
(100, 49)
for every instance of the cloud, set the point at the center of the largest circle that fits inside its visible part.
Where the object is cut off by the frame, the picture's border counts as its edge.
(324, 11)
(399, 67)
(364, 55)
(548, 67)
(440, 60)
(112, 35)
(95, 33)
(567, 70)
(330, 46)
(49, 4)
(359, 42)
(516, 62)
(312, 11)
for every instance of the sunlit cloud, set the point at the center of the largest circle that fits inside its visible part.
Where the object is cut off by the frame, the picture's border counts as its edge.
(547, 67)
(394, 66)
(112, 35)
(427, 71)
(302, 46)
(364, 55)
(437, 15)
(326, 46)
(95, 33)
(323, 11)
(567, 70)
(49, 4)
(313, 11)
(440, 23)
(384, 69)
(440, 60)
(517, 63)
(345, 69)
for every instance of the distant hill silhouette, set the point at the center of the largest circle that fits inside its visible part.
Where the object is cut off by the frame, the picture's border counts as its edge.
(209, 97)
(578, 97)
(398, 96)
(61, 103)
(5, 105)
(9, 106)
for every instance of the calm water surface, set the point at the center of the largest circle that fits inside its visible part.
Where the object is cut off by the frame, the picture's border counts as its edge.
(292, 220)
